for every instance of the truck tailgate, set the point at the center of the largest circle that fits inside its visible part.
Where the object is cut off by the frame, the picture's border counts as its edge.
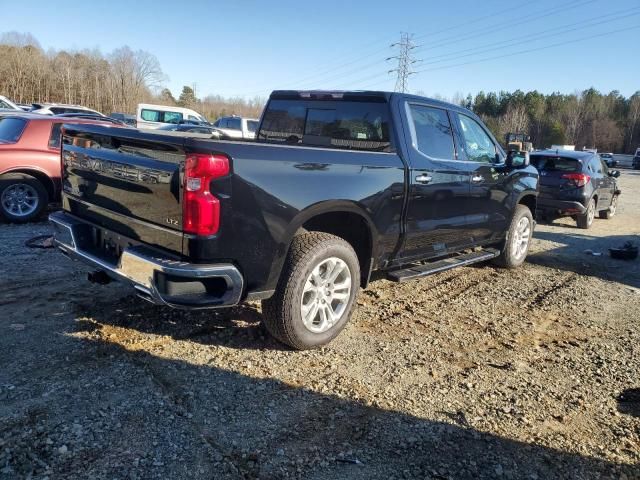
(125, 181)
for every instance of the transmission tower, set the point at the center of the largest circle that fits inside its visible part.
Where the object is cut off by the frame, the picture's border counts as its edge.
(405, 61)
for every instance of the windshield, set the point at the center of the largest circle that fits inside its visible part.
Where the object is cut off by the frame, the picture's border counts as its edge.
(252, 125)
(555, 164)
(11, 129)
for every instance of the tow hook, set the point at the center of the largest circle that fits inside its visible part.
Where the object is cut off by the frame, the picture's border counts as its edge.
(99, 277)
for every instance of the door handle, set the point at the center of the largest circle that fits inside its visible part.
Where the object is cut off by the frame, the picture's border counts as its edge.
(423, 178)
(477, 178)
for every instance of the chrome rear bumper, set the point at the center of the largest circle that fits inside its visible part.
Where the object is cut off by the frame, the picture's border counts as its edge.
(216, 285)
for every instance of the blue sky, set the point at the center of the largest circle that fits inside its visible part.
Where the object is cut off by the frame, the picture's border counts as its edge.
(250, 47)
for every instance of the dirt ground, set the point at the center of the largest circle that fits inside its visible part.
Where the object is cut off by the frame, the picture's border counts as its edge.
(472, 373)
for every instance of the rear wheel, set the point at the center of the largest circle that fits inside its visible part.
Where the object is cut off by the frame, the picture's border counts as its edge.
(22, 197)
(316, 293)
(586, 219)
(611, 211)
(516, 245)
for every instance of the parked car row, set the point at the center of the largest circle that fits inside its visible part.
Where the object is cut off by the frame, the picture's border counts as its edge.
(168, 118)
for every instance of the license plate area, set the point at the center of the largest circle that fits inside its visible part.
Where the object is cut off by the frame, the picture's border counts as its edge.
(106, 245)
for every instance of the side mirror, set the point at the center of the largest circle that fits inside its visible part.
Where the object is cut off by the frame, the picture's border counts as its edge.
(517, 159)
(614, 173)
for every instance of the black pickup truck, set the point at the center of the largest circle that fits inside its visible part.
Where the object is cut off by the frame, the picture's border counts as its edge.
(336, 185)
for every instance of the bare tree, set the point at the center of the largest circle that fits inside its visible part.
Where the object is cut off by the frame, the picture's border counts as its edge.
(515, 119)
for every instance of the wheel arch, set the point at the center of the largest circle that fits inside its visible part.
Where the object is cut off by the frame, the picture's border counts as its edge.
(529, 200)
(47, 182)
(344, 219)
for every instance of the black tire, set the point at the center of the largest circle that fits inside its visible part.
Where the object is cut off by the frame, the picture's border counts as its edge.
(33, 197)
(585, 220)
(511, 255)
(611, 211)
(282, 313)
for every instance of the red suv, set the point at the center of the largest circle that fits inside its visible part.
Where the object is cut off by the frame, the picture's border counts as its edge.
(30, 163)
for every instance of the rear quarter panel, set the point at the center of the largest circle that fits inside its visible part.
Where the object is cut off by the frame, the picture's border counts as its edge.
(276, 188)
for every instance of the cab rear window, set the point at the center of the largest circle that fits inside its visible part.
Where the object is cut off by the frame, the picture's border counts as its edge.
(11, 129)
(555, 164)
(347, 125)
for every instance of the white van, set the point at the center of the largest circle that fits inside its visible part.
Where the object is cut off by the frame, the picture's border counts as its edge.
(156, 116)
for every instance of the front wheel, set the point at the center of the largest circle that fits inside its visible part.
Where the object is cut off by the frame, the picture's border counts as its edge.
(516, 244)
(22, 197)
(316, 293)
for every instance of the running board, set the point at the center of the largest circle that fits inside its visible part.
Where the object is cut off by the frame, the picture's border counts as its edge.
(424, 269)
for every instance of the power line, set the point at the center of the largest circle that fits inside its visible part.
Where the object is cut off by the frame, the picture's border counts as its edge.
(482, 32)
(313, 78)
(545, 47)
(357, 66)
(592, 22)
(357, 60)
(621, 14)
(530, 50)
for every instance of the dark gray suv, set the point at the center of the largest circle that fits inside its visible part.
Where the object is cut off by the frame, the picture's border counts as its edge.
(575, 184)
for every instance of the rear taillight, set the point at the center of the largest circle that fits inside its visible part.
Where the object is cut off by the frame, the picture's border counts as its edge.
(201, 211)
(577, 179)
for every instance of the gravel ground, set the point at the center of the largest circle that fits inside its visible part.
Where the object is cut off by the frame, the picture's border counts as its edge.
(472, 373)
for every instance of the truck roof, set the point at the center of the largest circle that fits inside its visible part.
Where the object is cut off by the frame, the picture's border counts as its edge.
(360, 96)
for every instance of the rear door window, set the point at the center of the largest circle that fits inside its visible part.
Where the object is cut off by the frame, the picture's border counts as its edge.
(11, 129)
(597, 164)
(172, 117)
(252, 126)
(603, 166)
(546, 163)
(433, 134)
(234, 124)
(344, 124)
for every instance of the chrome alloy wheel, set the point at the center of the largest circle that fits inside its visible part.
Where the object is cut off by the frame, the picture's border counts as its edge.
(19, 199)
(591, 212)
(521, 238)
(326, 295)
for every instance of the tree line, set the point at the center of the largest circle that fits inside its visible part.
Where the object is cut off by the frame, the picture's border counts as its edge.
(115, 82)
(118, 81)
(589, 119)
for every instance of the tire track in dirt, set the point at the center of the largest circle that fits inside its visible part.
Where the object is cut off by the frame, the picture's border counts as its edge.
(540, 299)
